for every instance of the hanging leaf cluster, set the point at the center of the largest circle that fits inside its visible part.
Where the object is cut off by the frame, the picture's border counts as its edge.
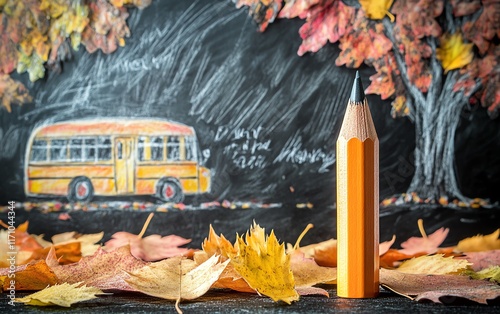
(36, 35)
(410, 44)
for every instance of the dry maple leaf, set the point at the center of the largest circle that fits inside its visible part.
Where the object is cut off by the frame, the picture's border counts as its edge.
(418, 286)
(482, 29)
(264, 265)
(426, 244)
(63, 295)
(103, 270)
(484, 259)
(177, 278)
(217, 245)
(480, 243)
(35, 275)
(151, 248)
(307, 273)
(433, 265)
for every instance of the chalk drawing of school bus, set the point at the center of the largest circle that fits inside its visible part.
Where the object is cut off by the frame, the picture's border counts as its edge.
(83, 158)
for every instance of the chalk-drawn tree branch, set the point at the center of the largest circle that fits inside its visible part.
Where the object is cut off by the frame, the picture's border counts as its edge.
(39, 34)
(433, 58)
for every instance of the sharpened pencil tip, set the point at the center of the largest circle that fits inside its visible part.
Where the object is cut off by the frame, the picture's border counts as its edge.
(357, 93)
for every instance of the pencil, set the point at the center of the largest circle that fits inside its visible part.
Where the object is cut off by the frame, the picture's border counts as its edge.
(357, 200)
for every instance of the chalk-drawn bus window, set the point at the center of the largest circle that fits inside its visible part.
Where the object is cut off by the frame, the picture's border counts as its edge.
(156, 148)
(119, 150)
(75, 149)
(173, 148)
(191, 148)
(141, 145)
(58, 149)
(39, 150)
(103, 148)
(89, 149)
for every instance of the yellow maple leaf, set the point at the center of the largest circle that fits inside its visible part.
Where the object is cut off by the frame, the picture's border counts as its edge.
(177, 278)
(453, 52)
(433, 265)
(480, 243)
(377, 9)
(215, 245)
(63, 295)
(264, 265)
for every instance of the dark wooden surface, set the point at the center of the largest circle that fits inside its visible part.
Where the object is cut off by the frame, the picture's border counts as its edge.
(233, 302)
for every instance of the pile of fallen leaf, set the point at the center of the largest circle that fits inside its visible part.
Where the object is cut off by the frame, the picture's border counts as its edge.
(73, 268)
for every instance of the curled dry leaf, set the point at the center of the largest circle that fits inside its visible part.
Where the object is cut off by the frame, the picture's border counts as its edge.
(103, 270)
(63, 295)
(433, 265)
(480, 243)
(177, 278)
(35, 275)
(436, 287)
(426, 244)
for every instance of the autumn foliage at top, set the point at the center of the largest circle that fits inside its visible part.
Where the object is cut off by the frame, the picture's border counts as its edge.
(39, 34)
(466, 35)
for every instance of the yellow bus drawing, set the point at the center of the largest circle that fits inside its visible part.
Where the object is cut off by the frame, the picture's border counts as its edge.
(83, 158)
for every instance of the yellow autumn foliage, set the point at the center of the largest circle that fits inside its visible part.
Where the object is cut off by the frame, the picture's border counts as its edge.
(453, 52)
(377, 9)
(63, 295)
(433, 265)
(264, 265)
(480, 243)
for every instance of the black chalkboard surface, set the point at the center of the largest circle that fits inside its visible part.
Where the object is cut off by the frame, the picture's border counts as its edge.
(266, 120)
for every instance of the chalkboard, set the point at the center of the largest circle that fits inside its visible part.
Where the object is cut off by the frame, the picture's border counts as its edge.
(266, 120)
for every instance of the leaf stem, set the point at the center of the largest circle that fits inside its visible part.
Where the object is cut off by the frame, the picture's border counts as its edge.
(308, 227)
(421, 228)
(146, 224)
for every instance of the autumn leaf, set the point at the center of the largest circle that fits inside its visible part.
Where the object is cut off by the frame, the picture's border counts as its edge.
(141, 4)
(103, 270)
(425, 244)
(419, 17)
(21, 242)
(465, 7)
(88, 242)
(483, 259)
(66, 253)
(264, 265)
(150, 248)
(307, 273)
(263, 12)
(177, 278)
(63, 295)
(325, 23)
(453, 52)
(300, 8)
(385, 246)
(35, 275)
(12, 92)
(483, 29)
(384, 81)
(218, 245)
(436, 287)
(433, 265)
(365, 42)
(491, 273)
(480, 243)
(377, 9)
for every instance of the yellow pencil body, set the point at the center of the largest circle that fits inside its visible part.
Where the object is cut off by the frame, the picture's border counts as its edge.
(357, 204)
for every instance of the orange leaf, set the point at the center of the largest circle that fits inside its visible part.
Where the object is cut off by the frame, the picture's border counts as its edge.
(66, 253)
(33, 276)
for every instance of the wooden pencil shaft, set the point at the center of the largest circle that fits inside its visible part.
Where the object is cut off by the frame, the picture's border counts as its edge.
(357, 204)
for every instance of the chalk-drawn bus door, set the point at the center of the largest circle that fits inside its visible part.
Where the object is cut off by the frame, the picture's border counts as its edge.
(124, 165)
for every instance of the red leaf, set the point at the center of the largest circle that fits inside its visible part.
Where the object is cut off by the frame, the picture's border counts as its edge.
(484, 259)
(365, 41)
(150, 248)
(483, 29)
(383, 82)
(301, 8)
(324, 23)
(465, 7)
(418, 16)
(263, 12)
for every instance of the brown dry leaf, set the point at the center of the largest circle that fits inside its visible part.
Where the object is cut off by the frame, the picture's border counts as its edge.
(63, 295)
(66, 253)
(103, 270)
(426, 244)
(438, 288)
(433, 265)
(480, 243)
(484, 259)
(24, 245)
(32, 276)
(218, 245)
(87, 242)
(264, 265)
(307, 273)
(177, 278)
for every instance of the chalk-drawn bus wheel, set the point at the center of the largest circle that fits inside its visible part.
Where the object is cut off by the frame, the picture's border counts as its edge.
(80, 190)
(122, 157)
(170, 191)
